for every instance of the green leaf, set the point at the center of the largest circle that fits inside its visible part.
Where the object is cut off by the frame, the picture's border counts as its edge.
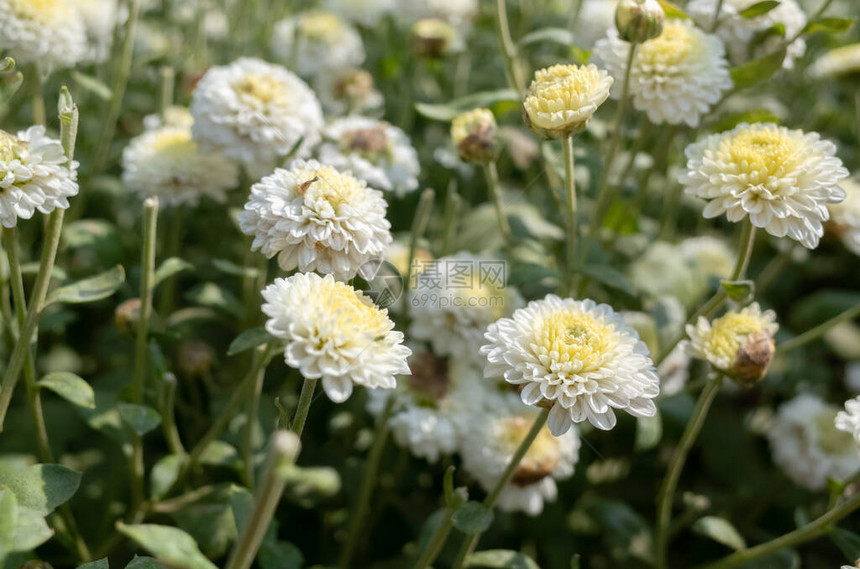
(560, 36)
(143, 562)
(472, 517)
(530, 273)
(140, 418)
(610, 277)
(164, 474)
(170, 267)
(721, 531)
(242, 504)
(500, 559)
(231, 268)
(97, 564)
(757, 70)
(848, 543)
(90, 289)
(210, 523)
(447, 111)
(214, 296)
(92, 85)
(829, 25)
(672, 10)
(70, 387)
(220, 453)
(649, 431)
(249, 339)
(741, 292)
(40, 487)
(280, 555)
(170, 545)
(8, 521)
(307, 486)
(730, 121)
(32, 530)
(758, 9)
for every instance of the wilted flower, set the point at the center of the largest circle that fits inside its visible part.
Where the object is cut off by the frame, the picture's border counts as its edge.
(334, 333)
(576, 357)
(843, 60)
(434, 38)
(782, 179)
(167, 163)
(741, 34)
(474, 135)
(562, 98)
(808, 447)
(126, 317)
(49, 32)
(738, 344)
(845, 217)
(317, 42)
(373, 151)
(34, 175)
(675, 77)
(349, 92)
(848, 420)
(315, 218)
(255, 112)
(638, 21)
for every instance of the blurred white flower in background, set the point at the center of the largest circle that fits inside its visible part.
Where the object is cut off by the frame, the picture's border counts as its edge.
(808, 447)
(34, 175)
(845, 217)
(374, 151)
(50, 33)
(349, 92)
(315, 218)
(848, 420)
(676, 77)
(596, 18)
(782, 179)
(256, 113)
(100, 18)
(843, 60)
(316, 43)
(367, 13)
(334, 333)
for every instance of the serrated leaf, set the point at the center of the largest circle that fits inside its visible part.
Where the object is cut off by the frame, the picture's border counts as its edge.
(500, 559)
(447, 111)
(759, 9)
(829, 25)
(170, 545)
(97, 564)
(143, 562)
(560, 36)
(70, 387)
(649, 431)
(757, 70)
(610, 277)
(472, 517)
(848, 543)
(40, 487)
(92, 85)
(91, 289)
(170, 267)
(249, 339)
(721, 531)
(140, 418)
(741, 292)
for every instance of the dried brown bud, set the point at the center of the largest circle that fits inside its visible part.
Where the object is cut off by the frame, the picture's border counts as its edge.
(754, 357)
(126, 316)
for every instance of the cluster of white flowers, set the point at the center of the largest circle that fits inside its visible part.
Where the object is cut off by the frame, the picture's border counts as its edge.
(35, 174)
(317, 43)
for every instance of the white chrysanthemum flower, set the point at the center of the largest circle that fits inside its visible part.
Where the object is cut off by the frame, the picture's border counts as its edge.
(315, 218)
(808, 447)
(349, 92)
(848, 420)
(739, 32)
(167, 163)
(676, 77)
(373, 151)
(47, 32)
(100, 17)
(577, 357)
(596, 17)
(845, 217)
(367, 13)
(843, 60)
(317, 42)
(739, 344)
(334, 333)
(782, 179)
(34, 175)
(562, 98)
(454, 299)
(490, 441)
(173, 115)
(458, 13)
(256, 113)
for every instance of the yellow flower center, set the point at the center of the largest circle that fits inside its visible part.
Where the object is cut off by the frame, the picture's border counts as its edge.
(542, 457)
(174, 142)
(729, 331)
(832, 440)
(38, 10)
(671, 47)
(261, 90)
(10, 146)
(352, 313)
(576, 336)
(323, 26)
(326, 184)
(762, 152)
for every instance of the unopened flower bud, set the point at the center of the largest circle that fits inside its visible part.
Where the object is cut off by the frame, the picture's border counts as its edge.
(432, 38)
(195, 357)
(474, 135)
(126, 316)
(754, 357)
(639, 20)
(354, 86)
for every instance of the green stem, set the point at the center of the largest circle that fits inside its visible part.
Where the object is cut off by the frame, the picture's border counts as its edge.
(251, 408)
(494, 188)
(818, 13)
(419, 225)
(284, 449)
(819, 330)
(305, 399)
(471, 542)
(570, 185)
(773, 268)
(715, 23)
(37, 98)
(171, 433)
(174, 245)
(453, 204)
(810, 531)
(368, 482)
(513, 71)
(434, 546)
(670, 482)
